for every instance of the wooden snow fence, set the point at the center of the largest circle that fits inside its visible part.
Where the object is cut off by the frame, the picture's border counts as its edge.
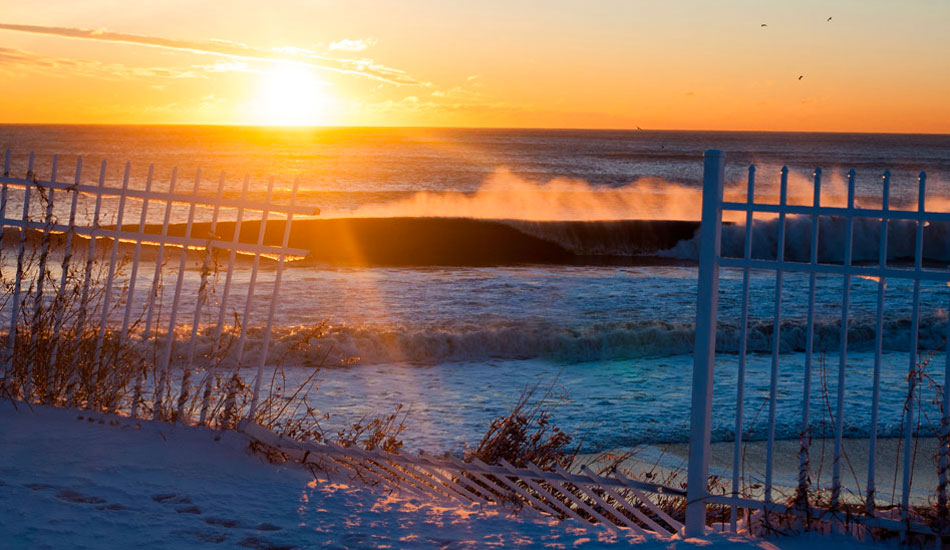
(613, 503)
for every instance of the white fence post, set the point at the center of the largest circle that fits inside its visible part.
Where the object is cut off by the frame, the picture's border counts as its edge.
(704, 354)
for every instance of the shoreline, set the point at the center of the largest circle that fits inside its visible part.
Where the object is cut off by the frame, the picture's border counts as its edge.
(670, 459)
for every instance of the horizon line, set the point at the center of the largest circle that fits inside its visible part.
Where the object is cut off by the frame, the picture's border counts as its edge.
(436, 127)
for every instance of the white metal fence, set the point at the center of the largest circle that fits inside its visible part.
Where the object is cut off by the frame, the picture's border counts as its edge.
(802, 503)
(68, 319)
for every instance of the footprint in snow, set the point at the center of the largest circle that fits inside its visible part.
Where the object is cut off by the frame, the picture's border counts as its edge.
(234, 524)
(74, 496)
(113, 507)
(205, 536)
(68, 495)
(171, 498)
(220, 522)
(185, 505)
(39, 486)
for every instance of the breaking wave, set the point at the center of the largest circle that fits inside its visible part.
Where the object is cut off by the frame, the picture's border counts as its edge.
(464, 241)
(607, 342)
(477, 242)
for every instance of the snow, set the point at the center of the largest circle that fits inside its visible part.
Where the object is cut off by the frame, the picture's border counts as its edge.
(70, 479)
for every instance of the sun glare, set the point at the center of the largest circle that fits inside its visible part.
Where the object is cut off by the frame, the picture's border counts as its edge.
(290, 95)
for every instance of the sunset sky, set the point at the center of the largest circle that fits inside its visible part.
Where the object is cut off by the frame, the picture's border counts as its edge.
(874, 67)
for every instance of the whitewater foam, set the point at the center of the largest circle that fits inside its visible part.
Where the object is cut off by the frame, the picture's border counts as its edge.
(901, 240)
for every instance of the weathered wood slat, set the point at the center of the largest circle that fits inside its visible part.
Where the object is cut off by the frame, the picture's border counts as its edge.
(449, 478)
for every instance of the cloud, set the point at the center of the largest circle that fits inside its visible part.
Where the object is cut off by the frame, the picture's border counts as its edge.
(459, 93)
(210, 102)
(226, 67)
(23, 60)
(359, 67)
(294, 50)
(438, 101)
(14, 57)
(348, 45)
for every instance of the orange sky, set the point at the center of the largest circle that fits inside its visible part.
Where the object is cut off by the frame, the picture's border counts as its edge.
(876, 66)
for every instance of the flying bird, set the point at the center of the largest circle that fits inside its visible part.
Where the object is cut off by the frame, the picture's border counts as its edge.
(829, 19)
(801, 76)
(764, 25)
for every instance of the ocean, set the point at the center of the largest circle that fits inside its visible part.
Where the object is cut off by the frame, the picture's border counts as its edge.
(455, 267)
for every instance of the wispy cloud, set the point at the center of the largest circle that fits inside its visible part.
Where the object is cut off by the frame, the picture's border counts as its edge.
(24, 60)
(358, 67)
(348, 45)
(459, 93)
(437, 102)
(14, 57)
(226, 67)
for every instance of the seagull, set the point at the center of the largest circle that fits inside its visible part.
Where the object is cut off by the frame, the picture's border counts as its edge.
(829, 19)
(801, 76)
(764, 25)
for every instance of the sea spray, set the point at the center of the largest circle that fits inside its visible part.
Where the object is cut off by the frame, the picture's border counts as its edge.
(901, 239)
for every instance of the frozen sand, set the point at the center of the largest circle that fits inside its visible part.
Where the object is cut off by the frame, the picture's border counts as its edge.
(71, 483)
(889, 462)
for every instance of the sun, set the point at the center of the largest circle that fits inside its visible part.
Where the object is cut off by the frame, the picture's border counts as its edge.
(290, 95)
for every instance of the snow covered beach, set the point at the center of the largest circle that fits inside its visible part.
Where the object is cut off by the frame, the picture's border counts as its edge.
(454, 343)
(69, 479)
